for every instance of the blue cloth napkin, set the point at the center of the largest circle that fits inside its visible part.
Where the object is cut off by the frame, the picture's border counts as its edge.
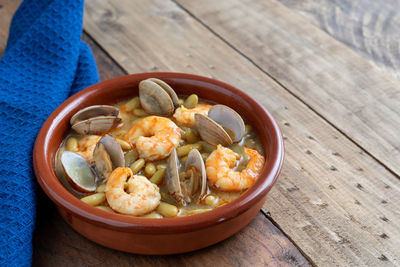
(45, 62)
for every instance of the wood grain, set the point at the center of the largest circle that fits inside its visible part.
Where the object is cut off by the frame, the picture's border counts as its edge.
(371, 28)
(333, 80)
(106, 66)
(336, 202)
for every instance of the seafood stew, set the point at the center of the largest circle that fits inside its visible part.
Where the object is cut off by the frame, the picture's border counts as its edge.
(157, 155)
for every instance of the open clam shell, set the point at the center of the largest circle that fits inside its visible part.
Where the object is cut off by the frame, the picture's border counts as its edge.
(172, 178)
(168, 89)
(191, 182)
(59, 169)
(222, 126)
(60, 173)
(78, 172)
(107, 156)
(95, 119)
(95, 125)
(94, 111)
(229, 119)
(157, 97)
(195, 163)
(212, 132)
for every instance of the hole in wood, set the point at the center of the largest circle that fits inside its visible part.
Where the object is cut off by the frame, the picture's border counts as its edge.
(384, 236)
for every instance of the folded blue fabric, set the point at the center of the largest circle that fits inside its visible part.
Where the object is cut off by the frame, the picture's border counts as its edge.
(45, 62)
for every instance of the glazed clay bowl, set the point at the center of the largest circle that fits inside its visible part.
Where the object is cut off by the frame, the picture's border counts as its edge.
(168, 235)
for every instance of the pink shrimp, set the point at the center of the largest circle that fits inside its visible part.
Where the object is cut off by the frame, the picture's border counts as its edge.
(220, 174)
(142, 197)
(185, 117)
(154, 137)
(86, 146)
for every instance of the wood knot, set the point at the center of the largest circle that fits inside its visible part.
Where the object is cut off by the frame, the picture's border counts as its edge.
(291, 189)
(383, 218)
(383, 258)
(341, 239)
(384, 236)
(289, 258)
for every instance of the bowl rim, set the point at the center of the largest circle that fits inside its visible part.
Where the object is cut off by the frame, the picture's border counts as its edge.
(63, 198)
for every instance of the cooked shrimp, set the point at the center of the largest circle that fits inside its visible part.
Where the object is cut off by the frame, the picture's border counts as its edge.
(154, 137)
(87, 145)
(185, 117)
(142, 197)
(220, 174)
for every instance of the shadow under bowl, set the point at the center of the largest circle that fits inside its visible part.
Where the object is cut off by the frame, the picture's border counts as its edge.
(168, 235)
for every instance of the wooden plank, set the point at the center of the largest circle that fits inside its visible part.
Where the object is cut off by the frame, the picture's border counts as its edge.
(106, 66)
(339, 205)
(368, 27)
(333, 80)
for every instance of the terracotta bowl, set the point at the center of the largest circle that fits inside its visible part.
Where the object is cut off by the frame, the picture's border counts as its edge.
(158, 236)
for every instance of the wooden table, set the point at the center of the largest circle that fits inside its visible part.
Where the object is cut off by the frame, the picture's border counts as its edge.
(313, 64)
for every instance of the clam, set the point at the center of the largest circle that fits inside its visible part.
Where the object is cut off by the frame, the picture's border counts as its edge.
(107, 156)
(222, 126)
(95, 119)
(157, 97)
(172, 178)
(183, 186)
(58, 166)
(78, 172)
(60, 173)
(211, 132)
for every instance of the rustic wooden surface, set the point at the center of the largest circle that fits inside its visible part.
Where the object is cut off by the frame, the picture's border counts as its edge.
(335, 82)
(328, 185)
(337, 199)
(371, 28)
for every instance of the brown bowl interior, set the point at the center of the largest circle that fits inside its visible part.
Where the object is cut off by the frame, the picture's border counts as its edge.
(56, 126)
